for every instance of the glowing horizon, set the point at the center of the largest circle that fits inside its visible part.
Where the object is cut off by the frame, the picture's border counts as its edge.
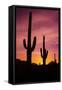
(44, 22)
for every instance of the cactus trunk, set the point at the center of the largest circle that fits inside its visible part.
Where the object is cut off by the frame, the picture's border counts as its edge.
(28, 47)
(44, 53)
(44, 60)
(29, 39)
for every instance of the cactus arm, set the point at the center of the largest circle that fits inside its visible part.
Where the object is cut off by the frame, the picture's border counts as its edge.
(34, 43)
(24, 43)
(47, 52)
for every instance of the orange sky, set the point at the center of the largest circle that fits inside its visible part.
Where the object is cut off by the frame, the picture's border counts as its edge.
(44, 22)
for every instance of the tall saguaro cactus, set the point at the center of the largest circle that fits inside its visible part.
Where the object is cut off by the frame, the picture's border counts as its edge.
(44, 53)
(28, 46)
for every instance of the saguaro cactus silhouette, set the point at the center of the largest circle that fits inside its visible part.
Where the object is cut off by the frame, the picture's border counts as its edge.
(44, 53)
(28, 46)
(54, 57)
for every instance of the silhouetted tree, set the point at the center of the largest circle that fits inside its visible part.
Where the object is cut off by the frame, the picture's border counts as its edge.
(28, 45)
(44, 53)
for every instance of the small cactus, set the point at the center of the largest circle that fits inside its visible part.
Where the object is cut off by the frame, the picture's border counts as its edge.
(28, 46)
(54, 57)
(44, 53)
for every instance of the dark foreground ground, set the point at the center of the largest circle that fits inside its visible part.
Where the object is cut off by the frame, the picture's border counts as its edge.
(28, 73)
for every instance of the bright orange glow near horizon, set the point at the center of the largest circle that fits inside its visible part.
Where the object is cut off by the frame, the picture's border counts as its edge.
(44, 22)
(37, 59)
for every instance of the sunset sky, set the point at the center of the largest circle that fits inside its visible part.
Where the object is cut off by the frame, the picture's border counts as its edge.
(44, 22)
